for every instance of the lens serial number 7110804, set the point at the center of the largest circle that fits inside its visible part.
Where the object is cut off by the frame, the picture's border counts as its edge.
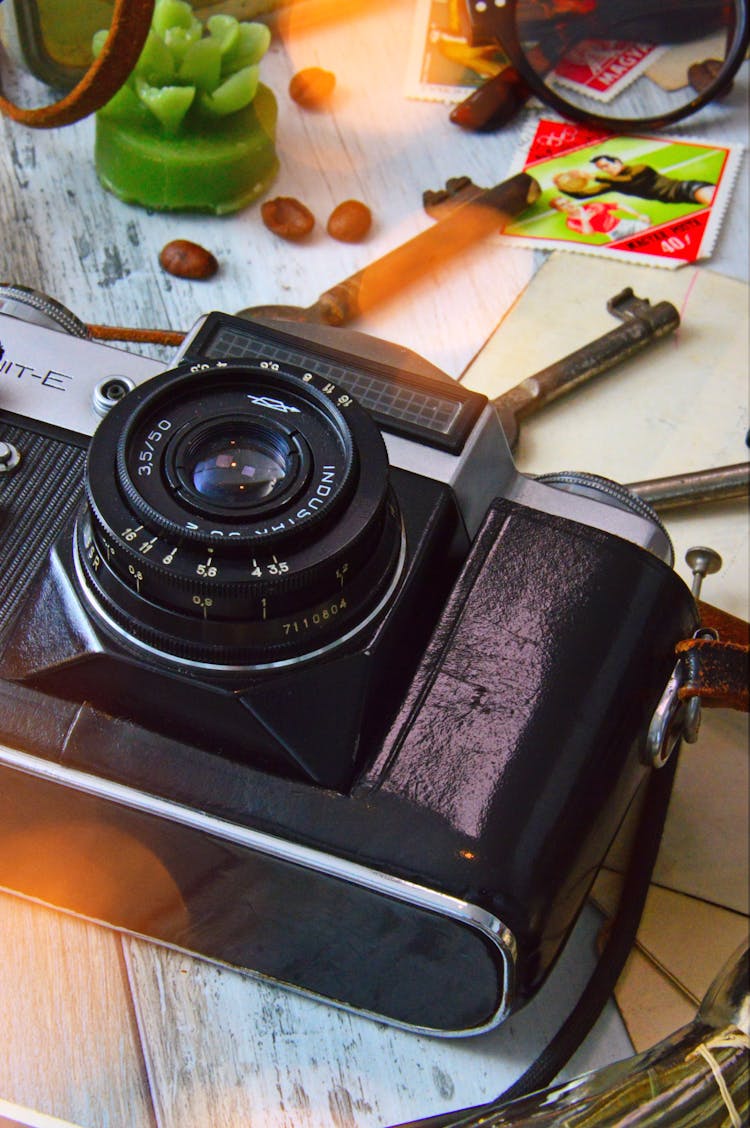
(317, 619)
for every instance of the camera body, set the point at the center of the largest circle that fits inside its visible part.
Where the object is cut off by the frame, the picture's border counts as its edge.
(294, 655)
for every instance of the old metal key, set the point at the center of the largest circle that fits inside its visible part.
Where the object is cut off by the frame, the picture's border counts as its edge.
(719, 483)
(642, 323)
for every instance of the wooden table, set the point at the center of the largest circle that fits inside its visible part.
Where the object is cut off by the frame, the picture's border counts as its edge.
(110, 1030)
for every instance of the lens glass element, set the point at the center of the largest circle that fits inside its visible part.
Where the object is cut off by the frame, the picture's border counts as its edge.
(238, 470)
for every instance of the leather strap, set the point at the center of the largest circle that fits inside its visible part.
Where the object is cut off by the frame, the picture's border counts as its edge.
(131, 22)
(137, 336)
(717, 668)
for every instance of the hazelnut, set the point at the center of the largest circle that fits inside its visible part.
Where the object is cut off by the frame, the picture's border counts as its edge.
(350, 221)
(312, 87)
(188, 260)
(287, 217)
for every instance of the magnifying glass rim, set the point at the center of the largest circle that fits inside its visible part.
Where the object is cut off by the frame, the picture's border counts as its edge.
(508, 36)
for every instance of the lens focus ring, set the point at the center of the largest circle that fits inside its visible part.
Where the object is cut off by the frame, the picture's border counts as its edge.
(224, 503)
(156, 450)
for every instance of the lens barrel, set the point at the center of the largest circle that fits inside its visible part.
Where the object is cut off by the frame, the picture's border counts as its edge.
(237, 515)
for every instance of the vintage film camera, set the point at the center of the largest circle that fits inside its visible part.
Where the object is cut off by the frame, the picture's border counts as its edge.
(299, 673)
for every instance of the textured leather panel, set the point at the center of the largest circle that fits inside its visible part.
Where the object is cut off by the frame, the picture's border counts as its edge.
(34, 506)
(523, 727)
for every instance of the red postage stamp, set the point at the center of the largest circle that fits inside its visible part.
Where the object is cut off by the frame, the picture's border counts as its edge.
(645, 198)
(603, 69)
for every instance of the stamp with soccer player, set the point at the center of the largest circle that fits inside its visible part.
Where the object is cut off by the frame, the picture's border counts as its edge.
(655, 199)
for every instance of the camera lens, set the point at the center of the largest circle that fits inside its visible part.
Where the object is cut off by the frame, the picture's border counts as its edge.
(236, 465)
(237, 516)
(233, 472)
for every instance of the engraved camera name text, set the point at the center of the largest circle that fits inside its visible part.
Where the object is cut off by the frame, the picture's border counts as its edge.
(47, 378)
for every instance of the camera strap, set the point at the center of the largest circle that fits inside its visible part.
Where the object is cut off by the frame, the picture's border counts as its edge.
(717, 667)
(131, 22)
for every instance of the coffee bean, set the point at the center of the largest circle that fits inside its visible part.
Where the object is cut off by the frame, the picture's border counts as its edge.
(350, 221)
(188, 260)
(287, 217)
(703, 75)
(312, 87)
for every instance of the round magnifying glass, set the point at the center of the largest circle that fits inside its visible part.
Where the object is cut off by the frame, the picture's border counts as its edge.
(629, 65)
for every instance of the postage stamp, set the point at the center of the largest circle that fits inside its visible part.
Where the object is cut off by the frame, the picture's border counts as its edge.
(603, 69)
(657, 200)
(442, 66)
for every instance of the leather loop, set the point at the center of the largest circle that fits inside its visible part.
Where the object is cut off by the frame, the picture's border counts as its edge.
(717, 669)
(131, 22)
(729, 627)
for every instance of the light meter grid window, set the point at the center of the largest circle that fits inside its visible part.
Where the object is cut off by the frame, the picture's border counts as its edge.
(402, 404)
(375, 394)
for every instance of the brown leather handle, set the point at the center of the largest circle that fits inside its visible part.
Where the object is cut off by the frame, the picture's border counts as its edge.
(486, 213)
(131, 22)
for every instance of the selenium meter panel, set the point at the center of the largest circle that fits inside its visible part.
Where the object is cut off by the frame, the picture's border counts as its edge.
(193, 128)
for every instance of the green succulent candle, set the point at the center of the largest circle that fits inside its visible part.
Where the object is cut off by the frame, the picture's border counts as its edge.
(193, 128)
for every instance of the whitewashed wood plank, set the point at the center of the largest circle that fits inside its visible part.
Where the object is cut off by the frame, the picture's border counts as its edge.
(15, 1114)
(63, 234)
(69, 1045)
(223, 1049)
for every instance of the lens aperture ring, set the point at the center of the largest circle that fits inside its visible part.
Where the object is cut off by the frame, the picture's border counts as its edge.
(182, 577)
(265, 636)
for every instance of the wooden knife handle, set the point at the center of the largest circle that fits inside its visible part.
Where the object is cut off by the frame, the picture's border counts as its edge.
(487, 213)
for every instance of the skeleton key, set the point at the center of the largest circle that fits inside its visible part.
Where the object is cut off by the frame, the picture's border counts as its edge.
(642, 323)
